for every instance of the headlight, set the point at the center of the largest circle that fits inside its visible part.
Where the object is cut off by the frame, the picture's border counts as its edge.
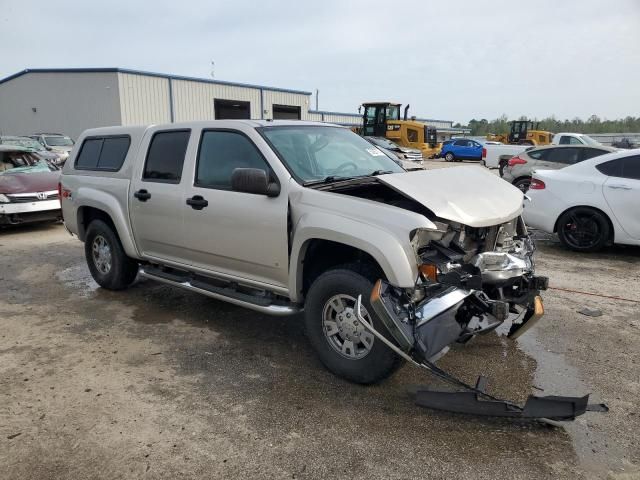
(4, 198)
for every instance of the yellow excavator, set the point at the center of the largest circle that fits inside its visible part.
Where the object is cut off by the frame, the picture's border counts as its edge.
(382, 119)
(523, 132)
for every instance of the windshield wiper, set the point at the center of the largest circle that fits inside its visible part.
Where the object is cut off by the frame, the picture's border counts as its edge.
(329, 179)
(375, 173)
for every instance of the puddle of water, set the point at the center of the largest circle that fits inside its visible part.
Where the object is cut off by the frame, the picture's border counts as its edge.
(554, 376)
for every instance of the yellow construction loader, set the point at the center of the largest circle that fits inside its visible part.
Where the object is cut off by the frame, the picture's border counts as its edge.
(382, 119)
(523, 132)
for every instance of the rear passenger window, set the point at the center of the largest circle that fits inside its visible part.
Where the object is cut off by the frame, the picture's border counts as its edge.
(166, 156)
(103, 153)
(221, 152)
(612, 168)
(588, 153)
(537, 154)
(631, 168)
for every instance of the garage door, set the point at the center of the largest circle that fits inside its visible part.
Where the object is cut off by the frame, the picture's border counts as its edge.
(231, 109)
(286, 112)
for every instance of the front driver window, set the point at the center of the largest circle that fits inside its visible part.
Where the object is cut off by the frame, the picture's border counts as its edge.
(221, 152)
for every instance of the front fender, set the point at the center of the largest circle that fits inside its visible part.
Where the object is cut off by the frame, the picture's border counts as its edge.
(109, 203)
(396, 258)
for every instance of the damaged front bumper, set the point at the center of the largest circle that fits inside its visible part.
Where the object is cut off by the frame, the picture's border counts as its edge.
(475, 400)
(458, 296)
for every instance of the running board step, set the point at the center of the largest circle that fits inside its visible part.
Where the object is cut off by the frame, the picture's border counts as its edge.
(226, 293)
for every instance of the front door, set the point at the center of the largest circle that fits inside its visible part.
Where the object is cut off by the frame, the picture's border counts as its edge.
(236, 234)
(622, 193)
(156, 196)
(375, 121)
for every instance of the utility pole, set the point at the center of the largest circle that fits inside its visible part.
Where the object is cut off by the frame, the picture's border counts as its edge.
(317, 92)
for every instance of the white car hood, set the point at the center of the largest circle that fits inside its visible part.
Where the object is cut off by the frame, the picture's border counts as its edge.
(469, 195)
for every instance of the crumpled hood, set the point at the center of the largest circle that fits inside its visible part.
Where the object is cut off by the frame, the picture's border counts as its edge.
(469, 195)
(29, 182)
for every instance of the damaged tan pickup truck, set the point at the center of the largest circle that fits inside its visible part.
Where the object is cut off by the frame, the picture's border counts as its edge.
(284, 216)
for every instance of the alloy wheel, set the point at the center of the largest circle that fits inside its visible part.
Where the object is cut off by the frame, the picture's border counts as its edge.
(101, 251)
(582, 231)
(342, 329)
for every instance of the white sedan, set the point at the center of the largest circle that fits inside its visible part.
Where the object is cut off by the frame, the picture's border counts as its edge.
(589, 204)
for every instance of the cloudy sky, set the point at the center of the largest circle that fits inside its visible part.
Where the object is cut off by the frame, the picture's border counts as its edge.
(451, 60)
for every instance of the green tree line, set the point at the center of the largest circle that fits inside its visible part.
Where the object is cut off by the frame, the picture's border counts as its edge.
(593, 124)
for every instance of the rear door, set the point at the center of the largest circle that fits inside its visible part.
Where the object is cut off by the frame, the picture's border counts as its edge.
(157, 194)
(622, 192)
(236, 234)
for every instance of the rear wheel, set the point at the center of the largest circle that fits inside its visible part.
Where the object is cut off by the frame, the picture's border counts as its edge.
(108, 263)
(342, 343)
(523, 184)
(583, 229)
(450, 157)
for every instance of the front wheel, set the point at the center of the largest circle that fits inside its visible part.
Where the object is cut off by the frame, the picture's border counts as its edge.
(583, 229)
(342, 343)
(449, 157)
(108, 263)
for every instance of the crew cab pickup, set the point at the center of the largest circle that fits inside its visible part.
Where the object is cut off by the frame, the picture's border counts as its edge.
(289, 216)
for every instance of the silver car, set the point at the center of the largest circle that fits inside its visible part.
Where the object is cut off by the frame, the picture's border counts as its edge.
(551, 157)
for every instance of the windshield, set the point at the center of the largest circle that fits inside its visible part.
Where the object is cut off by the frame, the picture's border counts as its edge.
(22, 162)
(315, 153)
(23, 142)
(590, 141)
(383, 142)
(58, 141)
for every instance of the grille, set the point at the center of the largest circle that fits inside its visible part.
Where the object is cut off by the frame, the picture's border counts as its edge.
(31, 197)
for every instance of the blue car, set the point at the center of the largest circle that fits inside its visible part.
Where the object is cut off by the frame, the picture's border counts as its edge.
(460, 149)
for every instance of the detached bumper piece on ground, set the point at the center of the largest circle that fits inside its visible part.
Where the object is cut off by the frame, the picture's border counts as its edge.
(423, 336)
(474, 402)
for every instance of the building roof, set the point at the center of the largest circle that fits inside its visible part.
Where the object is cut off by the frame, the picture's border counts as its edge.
(148, 74)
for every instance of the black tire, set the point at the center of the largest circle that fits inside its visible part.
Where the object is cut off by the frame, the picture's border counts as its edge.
(380, 362)
(583, 229)
(523, 184)
(119, 271)
(450, 157)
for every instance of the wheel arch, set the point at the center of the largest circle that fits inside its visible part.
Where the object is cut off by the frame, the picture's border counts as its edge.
(100, 211)
(314, 251)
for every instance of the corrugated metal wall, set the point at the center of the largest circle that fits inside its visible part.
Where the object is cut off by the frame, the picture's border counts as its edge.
(144, 99)
(271, 97)
(335, 117)
(194, 100)
(65, 103)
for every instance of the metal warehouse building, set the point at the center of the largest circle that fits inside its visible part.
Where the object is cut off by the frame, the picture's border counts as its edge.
(72, 100)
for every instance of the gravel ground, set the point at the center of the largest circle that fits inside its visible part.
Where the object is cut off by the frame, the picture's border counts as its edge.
(154, 382)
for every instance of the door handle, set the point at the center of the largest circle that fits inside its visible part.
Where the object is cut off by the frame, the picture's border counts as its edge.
(619, 187)
(197, 202)
(142, 195)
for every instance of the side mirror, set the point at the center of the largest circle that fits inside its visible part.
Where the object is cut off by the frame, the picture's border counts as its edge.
(253, 180)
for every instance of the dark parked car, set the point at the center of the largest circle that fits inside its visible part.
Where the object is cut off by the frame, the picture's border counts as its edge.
(28, 187)
(459, 149)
